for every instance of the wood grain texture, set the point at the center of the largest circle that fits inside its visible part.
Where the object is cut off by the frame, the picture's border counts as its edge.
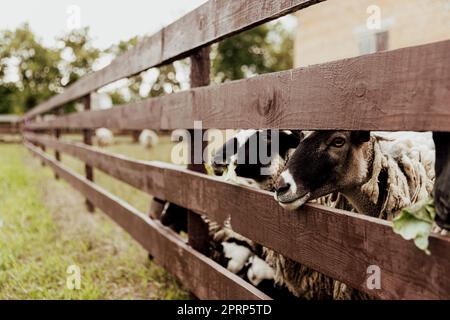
(205, 278)
(207, 24)
(9, 128)
(198, 230)
(338, 243)
(405, 89)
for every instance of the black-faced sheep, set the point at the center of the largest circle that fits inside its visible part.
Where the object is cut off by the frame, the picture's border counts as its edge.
(256, 156)
(379, 175)
(300, 280)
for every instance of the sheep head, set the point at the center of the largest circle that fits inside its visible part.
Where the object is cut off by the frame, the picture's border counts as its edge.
(324, 162)
(256, 154)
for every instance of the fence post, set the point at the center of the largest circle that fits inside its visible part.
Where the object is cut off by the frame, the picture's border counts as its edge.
(87, 139)
(43, 148)
(199, 76)
(57, 133)
(135, 135)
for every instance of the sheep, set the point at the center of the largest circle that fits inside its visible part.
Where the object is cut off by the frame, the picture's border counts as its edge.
(243, 151)
(442, 185)
(229, 249)
(105, 137)
(148, 138)
(174, 216)
(242, 257)
(379, 176)
(300, 280)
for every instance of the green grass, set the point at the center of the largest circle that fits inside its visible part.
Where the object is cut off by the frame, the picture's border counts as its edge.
(44, 229)
(123, 146)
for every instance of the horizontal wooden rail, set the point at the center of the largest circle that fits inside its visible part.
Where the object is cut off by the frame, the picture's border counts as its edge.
(4, 130)
(209, 23)
(405, 89)
(205, 278)
(338, 243)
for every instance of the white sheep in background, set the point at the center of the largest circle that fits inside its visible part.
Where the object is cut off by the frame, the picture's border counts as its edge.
(148, 138)
(104, 137)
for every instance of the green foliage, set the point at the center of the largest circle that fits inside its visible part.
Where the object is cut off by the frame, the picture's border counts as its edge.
(267, 48)
(78, 46)
(415, 223)
(43, 72)
(165, 82)
(76, 59)
(38, 75)
(8, 96)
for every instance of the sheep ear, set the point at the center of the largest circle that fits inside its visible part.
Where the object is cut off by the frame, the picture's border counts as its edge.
(359, 137)
(297, 134)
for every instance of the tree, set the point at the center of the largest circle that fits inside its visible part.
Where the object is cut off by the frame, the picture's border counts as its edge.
(29, 72)
(164, 80)
(8, 95)
(266, 48)
(79, 55)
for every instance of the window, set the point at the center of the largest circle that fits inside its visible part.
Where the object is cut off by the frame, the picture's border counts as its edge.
(370, 41)
(382, 41)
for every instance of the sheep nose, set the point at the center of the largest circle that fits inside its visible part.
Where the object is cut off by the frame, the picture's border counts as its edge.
(281, 186)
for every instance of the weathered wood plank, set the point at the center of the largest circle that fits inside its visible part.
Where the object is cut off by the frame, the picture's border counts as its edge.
(136, 173)
(199, 77)
(9, 130)
(338, 243)
(405, 89)
(201, 275)
(209, 23)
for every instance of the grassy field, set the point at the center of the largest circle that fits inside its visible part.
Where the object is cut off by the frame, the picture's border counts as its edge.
(44, 229)
(123, 146)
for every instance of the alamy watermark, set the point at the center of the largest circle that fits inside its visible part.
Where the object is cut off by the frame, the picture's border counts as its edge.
(374, 20)
(73, 21)
(373, 281)
(73, 280)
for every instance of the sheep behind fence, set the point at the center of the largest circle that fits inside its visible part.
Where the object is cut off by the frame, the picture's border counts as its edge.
(381, 91)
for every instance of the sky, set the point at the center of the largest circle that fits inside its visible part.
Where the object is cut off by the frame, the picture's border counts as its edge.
(109, 20)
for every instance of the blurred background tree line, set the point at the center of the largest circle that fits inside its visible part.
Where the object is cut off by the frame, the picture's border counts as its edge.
(31, 72)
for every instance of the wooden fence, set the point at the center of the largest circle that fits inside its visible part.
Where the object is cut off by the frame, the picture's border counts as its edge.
(406, 89)
(9, 124)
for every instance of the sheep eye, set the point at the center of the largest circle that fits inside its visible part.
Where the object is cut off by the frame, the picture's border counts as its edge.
(338, 142)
